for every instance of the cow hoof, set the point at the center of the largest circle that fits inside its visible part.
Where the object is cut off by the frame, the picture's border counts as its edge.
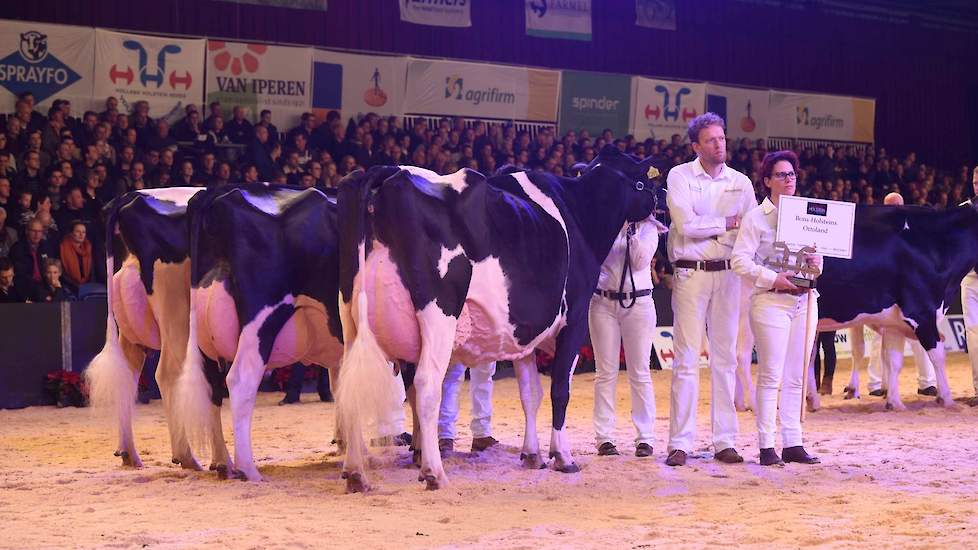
(355, 483)
(849, 393)
(243, 476)
(948, 404)
(175, 460)
(431, 483)
(416, 458)
(188, 464)
(896, 407)
(222, 471)
(571, 468)
(532, 461)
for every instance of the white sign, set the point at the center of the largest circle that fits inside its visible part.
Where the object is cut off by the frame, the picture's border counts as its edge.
(744, 110)
(662, 347)
(825, 225)
(569, 19)
(166, 72)
(661, 108)
(439, 13)
(50, 61)
(832, 118)
(258, 77)
(353, 84)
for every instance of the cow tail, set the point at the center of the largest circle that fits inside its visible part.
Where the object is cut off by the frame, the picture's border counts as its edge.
(111, 381)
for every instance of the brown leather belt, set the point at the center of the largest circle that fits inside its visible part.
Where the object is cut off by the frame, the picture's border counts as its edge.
(796, 292)
(611, 295)
(703, 265)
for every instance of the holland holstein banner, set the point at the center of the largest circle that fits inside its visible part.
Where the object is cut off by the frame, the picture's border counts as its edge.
(259, 76)
(438, 13)
(665, 107)
(568, 19)
(166, 72)
(50, 61)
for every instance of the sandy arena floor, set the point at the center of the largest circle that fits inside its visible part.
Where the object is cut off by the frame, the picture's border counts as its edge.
(907, 480)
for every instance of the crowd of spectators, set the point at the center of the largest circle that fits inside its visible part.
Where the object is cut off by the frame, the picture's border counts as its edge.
(58, 171)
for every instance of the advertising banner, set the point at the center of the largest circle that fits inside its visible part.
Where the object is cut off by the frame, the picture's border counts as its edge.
(824, 117)
(594, 101)
(50, 61)
(665, 107)
(166, 72)
(354, 84)
(744, 110)
(567, 19)
(438, 13)
(259, 76)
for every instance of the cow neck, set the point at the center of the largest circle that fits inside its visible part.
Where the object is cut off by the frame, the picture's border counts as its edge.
(599, 223)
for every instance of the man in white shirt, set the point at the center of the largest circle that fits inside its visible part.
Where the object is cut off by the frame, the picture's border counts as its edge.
(707, 200)
(969, 304)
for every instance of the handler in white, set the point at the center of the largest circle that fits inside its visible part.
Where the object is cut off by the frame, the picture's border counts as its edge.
(969, 304)
(622, 313)
(707, 200)
(778, 314)
(480, 389)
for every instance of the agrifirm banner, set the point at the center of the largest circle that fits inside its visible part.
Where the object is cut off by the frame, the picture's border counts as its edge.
(825, 117)
(354, 84)
(260, 76)
(567, 19)
(481, 90)
(166, 72)
(744, 110)
(438, 13)
(665, 107)
(50, 61)
(656, 14)
(594, 101)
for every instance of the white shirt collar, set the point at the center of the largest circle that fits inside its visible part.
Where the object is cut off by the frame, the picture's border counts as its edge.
(699, 171)
(767, 206)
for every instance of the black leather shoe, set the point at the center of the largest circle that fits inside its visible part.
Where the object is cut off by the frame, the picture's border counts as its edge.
(608, 449)
(769, 457)
(728, 456)
(643, 450)
(288, 400)
(480, 444)
(446, 445)
(799, 455)
(929, 390)
(676, 458)
(878, 393)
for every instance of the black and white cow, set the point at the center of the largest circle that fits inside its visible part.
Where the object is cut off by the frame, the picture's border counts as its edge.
(149, 307)
(907, 265)
(265, 284)
(458, 268)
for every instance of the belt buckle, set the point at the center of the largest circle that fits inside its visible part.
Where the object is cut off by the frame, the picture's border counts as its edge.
(701, 265)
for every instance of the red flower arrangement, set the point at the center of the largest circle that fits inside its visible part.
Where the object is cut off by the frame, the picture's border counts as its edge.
(281, 375)
(67, 389)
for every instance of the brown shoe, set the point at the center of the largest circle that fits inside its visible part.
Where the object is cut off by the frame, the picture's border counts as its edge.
(480, 444)
(825, 388)
(728, 456)
(798, 454)
(643, 450)
(608, 449)
(446, 445)
(676, 458)
(769, 457)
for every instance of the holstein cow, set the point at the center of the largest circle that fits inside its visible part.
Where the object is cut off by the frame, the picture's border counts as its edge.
(265, 285)
(906, 266)
(149, 306)
(458, 268)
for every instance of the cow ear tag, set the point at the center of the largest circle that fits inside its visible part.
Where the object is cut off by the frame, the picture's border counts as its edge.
(653, 172)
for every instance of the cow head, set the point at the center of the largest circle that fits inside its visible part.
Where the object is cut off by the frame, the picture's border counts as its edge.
(622, 179)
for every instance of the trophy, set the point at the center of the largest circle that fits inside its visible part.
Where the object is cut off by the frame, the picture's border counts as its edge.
(783, 262)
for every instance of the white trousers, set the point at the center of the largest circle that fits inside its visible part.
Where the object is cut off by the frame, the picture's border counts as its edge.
(969, 303)
(778, 322)
(711, 301)
(612, 327)
(874, 371)
(480, 388)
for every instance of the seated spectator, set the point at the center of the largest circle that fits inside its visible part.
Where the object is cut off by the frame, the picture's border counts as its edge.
(76, 256)
(6, 200)
(8, 291)
(186, 176)
(22, 211)
(50, 289)
(259, 155)
(75, 209)
(265, 119)
(28, 256)
(8, 235)
(238, 129)
(161, 139)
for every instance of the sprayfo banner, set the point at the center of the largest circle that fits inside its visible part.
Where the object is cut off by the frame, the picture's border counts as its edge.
(439, 13)
(665, 107)
(569, 19)
(166, 72)
(481, 90)
(744, 110)
(826, 117)
(259, 76)
(594, 101)
(50, 61)
(354, 84)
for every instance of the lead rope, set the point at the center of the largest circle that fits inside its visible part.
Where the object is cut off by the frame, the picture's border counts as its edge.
(627, 267)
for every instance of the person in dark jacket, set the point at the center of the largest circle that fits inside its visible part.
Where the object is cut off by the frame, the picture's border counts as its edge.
(50, 289)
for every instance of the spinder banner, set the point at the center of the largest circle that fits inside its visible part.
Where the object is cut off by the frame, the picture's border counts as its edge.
(568, 19)
(594, 101)
(260, 76)
(166, 72)
(50, 61)
(354, 84)
(745, 110)
(665, 107)
(439, 13)
(481, 90)
(825, 117)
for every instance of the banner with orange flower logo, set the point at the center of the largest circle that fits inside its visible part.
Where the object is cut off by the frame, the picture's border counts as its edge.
(260, 76)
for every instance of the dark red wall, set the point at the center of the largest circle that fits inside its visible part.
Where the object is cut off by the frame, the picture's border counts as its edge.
(925, 81)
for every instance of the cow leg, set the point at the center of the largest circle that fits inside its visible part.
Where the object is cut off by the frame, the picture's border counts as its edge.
(243, 380)
(135, 357)
(929, 337)
(437, 338)
(858, 345)
(892, 361)
(565, 360)
(812, 397)
(531, 394)
(745, 394)
(166, 376)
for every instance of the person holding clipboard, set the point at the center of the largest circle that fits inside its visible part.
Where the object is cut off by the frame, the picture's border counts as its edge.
(778, 315)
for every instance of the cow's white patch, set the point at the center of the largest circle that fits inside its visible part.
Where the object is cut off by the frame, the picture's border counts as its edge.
(906, 225)
(545, 202)
(273, 204)
(179, 196)
(456, 181)
(446, 257)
